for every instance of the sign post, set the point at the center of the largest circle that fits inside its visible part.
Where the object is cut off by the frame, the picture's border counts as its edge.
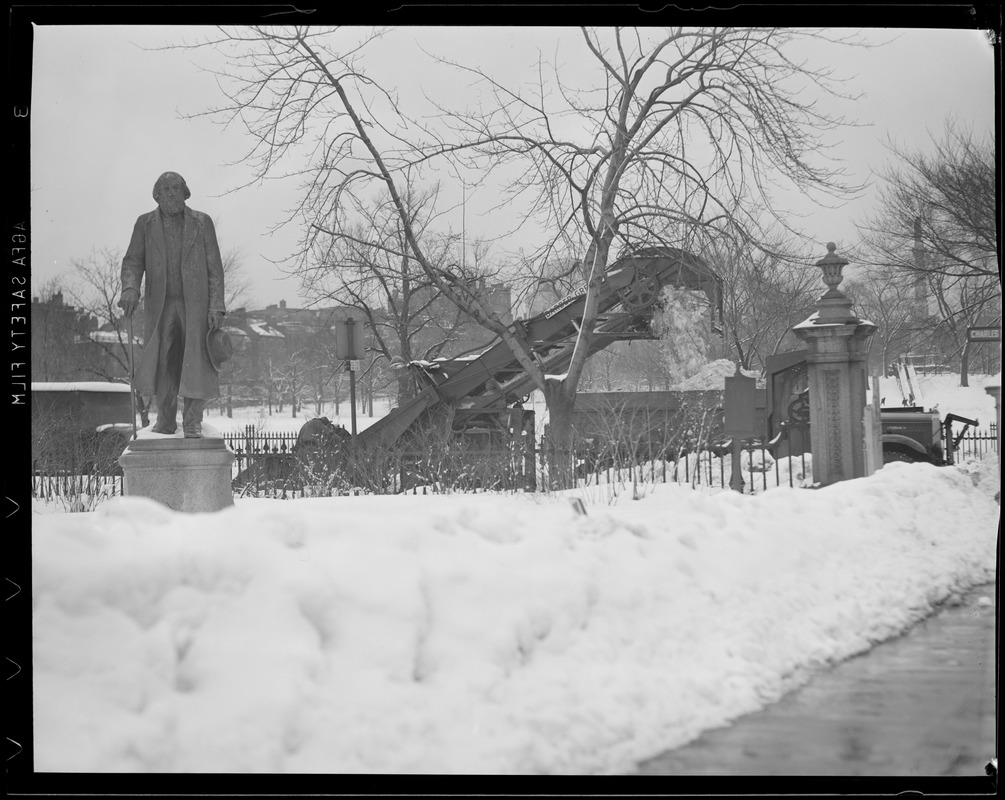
(739, 420)
(990, 333)
(347, 349)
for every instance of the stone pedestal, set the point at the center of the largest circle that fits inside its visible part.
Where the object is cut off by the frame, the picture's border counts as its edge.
(192, 475)
(836, 360)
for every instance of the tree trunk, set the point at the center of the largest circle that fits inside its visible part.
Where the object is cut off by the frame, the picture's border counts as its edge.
(741, 356)
(965, 366)
(560, 440)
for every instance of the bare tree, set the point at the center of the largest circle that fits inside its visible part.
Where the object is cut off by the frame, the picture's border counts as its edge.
(646, 364)
(889, 299)
(943, 201)
(272, 383)
(670, 137)
(765, 292)
(370, 267)
(937, 222)
(236, 284)
(633, 172)
(291, 378)
(962, 303)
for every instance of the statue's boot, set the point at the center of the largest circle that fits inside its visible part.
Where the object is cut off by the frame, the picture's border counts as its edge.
(191, 420)
(167, 415)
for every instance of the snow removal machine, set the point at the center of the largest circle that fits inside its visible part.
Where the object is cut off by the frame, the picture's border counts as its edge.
(474, 404)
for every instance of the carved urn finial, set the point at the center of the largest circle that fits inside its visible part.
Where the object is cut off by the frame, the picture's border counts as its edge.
(834, 306)
(832, 264)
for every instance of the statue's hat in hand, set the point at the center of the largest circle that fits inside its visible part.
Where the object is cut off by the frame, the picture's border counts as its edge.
(219, 346)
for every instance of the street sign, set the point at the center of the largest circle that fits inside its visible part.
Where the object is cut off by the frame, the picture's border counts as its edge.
(348, 339)
(355, 365)
(984, 334)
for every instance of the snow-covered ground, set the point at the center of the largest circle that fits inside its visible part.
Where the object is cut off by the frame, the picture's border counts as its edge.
(477, 633)
(943, 392)
(472, 633)
(285, 423)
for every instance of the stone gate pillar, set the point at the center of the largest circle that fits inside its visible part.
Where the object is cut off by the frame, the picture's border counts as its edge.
(837, 349)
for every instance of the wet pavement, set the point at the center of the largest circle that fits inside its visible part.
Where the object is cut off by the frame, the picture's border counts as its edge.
(922, 704)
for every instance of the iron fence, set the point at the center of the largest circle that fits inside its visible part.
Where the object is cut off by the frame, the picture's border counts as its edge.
(977, 443)
(77, 487)
(263, 462)
(266, 465)
(762, 465)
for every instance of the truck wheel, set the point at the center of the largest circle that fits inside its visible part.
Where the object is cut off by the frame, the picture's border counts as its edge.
(900, 452)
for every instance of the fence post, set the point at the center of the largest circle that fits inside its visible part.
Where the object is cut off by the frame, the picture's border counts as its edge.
(995, 391)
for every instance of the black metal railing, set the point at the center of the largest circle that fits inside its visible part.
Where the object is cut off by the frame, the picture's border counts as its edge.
(75, 487)
(763, 466)
(267, 465)
(264, 462)
(977, 443)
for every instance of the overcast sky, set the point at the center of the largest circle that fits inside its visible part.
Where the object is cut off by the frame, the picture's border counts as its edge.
(105, 122)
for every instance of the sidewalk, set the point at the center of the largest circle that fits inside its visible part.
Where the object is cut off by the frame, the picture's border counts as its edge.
(922, 704)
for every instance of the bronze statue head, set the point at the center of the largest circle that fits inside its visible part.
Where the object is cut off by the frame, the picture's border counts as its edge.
(171, 192)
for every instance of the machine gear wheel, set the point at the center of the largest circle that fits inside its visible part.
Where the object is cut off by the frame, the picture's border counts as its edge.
(642, 292)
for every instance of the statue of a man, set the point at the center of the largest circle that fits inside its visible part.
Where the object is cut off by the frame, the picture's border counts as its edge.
(176, 248)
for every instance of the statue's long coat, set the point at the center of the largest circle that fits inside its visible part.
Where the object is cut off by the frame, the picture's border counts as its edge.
(202, 287)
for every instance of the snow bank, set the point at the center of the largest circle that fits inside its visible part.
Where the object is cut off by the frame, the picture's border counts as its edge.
(80, 386)
(712, 376)
(470, 634)
(943, 392)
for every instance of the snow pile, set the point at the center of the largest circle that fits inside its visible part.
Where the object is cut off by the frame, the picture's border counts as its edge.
(80, 386)
(944, 393)
(284, 423)
(470, 634)
(712, 376)
(984, 472)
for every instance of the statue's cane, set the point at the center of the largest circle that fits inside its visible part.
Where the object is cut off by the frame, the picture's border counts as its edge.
(132, 371)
